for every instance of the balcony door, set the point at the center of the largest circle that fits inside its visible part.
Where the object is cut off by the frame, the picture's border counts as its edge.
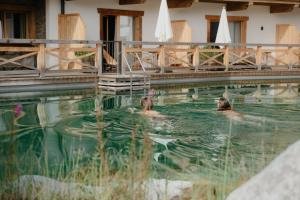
(118, 25)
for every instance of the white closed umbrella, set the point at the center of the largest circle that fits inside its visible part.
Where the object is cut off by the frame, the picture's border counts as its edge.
(163, 31)
(223, 35)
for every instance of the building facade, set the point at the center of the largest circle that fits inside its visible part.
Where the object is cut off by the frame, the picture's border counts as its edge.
(250, 21)
(117, 19)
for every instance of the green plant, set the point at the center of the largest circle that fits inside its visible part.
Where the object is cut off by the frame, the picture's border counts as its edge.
(87, 59)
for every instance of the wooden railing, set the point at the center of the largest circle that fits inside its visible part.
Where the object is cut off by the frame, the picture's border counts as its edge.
(59, 57)
(47, 57)
(204, 56)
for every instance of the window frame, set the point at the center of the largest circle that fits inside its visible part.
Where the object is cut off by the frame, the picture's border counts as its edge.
(242, 19)
(22, 9)
(137, 20)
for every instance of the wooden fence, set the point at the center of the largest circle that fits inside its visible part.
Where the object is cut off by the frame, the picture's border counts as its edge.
(205, 56)
(56, 57)
(49, 57)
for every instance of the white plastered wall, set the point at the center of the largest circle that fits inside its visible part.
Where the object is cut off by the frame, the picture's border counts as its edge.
(259, 16)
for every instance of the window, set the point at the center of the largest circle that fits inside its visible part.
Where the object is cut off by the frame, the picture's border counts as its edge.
(237, 27)
(213, 31)
(234, 29)
(235, 32)
(126, 28)
(16, 25)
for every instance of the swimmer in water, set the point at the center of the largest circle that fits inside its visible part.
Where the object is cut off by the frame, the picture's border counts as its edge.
(147, 105)
(224, 106)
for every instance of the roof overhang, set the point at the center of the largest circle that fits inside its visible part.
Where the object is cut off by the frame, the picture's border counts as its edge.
(276, 6)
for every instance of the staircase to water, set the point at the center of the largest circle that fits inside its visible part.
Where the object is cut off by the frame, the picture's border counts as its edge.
(131, 80)
(126, 82)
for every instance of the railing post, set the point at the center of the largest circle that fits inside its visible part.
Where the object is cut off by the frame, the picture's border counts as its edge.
(98, 58)
(226, 57)
(41, 62)
(259, 57)
(290, 57)
(121, 62)
(196, 59)
(162, 59)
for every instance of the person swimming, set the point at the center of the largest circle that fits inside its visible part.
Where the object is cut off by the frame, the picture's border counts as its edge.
(224, 106)
(147, 106)
(147, 103)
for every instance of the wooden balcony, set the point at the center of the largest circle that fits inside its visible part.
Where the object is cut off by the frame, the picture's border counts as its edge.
(61, 62)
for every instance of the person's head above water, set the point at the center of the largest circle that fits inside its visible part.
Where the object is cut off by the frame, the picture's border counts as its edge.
(223, 104)
(147, 103)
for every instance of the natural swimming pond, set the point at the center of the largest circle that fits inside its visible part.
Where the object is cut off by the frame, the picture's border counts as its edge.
(62, 135)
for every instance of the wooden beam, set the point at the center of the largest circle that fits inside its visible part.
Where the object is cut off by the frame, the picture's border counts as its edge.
(281, 8)
(115, 12)
(15, 7)
(126, 2)
(180, 3)
(255, 2)
(237, 6)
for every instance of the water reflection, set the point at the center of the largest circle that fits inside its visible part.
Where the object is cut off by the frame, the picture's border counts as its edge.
(55, 131)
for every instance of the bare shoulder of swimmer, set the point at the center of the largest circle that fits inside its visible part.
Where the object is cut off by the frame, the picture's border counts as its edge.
(154, 114)
(233, 115)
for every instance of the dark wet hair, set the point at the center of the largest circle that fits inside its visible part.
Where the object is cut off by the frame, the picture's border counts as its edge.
(147, 103)
(223, 104)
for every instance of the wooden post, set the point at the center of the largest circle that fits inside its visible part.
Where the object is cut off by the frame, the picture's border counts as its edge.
(290, 57)
(196, 60)
(98, 59)
(226, 58)
(121, 61)
(259, 57)
(162, 59)
(41, 62)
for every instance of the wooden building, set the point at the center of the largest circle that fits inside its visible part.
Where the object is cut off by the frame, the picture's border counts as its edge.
(265, 34)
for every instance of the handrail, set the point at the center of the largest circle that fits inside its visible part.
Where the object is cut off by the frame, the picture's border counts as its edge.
(144, 70)
(142, 65)
(127, 63)
(46, 41)
(130, 70)
(208, 44)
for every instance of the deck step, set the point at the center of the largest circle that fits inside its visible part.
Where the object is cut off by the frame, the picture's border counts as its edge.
(127, 82)
(123, 84)
(124, 88)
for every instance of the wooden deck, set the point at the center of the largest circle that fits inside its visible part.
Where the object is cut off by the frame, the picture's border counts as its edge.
(121, 83)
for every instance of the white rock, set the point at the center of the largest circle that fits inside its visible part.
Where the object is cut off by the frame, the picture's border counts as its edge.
(278, 181)
(37, 186)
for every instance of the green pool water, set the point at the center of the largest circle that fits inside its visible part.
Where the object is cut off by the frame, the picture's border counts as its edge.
(194, 141)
